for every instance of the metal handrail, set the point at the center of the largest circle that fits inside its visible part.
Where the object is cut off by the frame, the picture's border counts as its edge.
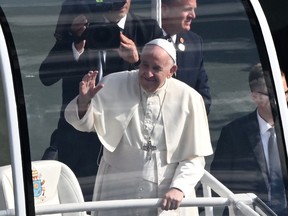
(236, 202)
(132, 203)
(118, 204)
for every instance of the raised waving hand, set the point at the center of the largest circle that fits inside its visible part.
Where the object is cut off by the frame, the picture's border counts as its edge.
(87, 90)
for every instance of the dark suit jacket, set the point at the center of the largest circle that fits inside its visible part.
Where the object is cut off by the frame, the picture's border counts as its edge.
(239, 161)
(60, 65)
(191, 65)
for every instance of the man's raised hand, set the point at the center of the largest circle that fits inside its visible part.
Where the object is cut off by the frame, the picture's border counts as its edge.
(128, 50)
(87, 90)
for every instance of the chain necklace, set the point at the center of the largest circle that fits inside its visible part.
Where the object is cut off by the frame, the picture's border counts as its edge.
(149, 147)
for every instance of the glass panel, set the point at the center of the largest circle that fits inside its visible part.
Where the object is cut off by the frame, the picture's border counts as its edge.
(4, 144)
(33, 20)
(229, 50)
(240, 152)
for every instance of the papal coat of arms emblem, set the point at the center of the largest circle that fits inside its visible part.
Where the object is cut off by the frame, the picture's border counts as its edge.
(38, 186)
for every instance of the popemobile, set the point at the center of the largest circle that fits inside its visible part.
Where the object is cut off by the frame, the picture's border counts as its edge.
(236, 34)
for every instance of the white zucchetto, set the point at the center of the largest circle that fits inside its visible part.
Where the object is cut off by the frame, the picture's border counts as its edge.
(166, 45)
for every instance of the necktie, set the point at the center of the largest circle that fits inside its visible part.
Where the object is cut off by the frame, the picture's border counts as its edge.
(277, 191)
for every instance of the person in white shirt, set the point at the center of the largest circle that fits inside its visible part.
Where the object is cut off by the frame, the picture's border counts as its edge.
(242, 156)
(154, 130)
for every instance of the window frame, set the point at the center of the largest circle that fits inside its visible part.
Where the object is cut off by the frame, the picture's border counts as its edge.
(17, 119)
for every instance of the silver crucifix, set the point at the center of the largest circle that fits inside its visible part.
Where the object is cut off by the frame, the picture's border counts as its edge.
(149, 148)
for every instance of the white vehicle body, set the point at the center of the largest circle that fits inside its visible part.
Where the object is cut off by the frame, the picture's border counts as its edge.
(28, 123)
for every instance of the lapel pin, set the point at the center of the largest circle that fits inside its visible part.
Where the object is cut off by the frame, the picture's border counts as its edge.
(181, 45)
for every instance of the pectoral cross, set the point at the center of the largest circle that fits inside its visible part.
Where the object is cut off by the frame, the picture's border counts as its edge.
(149, 148)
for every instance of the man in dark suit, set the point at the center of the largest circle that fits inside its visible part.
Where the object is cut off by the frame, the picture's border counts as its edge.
(71, 58)
(241, 159)
(177, 16)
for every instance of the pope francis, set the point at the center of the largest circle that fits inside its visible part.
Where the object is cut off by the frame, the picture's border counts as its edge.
(154, 131)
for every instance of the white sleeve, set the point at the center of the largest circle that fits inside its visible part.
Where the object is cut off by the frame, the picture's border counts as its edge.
(188, 173)
(86, 123)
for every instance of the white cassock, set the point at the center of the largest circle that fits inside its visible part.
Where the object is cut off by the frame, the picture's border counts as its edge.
(125, 116)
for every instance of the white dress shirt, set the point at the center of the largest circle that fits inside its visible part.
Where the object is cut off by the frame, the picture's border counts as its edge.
(265, 134)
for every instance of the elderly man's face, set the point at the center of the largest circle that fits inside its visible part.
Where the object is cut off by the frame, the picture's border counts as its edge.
(156, 66)
(116, 15)
(179, 15)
